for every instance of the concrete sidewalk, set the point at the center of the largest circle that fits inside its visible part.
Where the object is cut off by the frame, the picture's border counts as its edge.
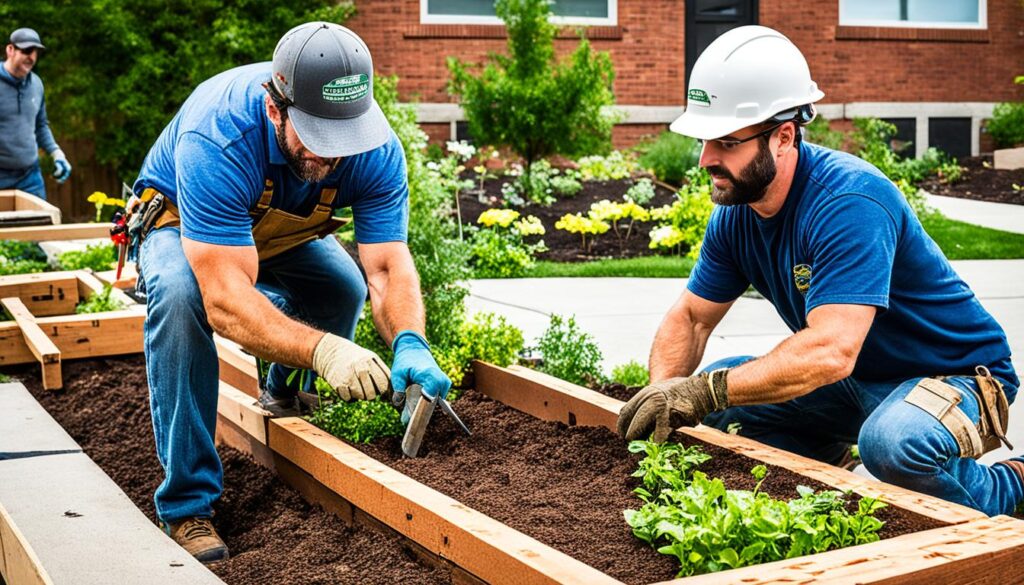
(624, 313)
(1000, 216)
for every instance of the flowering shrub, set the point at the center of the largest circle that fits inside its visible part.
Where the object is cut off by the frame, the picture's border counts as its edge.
(578, 224)
(500, 250)
(684, 222)
(614, 212)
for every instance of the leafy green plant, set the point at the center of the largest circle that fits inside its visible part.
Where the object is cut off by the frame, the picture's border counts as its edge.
(22, 267)
(499, 249)
(709, 528)
(681, 226)
(632, 374)
(529, 101)
(98, 257)
(670, 156)
(819, 131)
(486, 337)
(612, 167)
(1007, 123)
(359, 421)
(21, 257)
(565, 185)
(100, 302)
(569, 353)
(641, 192)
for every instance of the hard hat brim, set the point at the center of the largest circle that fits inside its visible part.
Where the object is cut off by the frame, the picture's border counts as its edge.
(707, 128)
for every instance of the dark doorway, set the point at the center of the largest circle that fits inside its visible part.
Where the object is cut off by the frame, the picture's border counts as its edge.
(950, 135)
(706, 20)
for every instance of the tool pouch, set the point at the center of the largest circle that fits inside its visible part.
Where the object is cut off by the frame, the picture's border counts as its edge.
(995, 410)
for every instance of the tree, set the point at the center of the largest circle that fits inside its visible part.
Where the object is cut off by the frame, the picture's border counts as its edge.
(531, 102)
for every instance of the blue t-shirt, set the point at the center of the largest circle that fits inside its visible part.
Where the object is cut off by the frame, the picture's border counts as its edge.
(217, 154)
(846, 235)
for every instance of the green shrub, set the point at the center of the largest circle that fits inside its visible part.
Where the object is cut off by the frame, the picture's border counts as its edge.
(613, 167)
(529, 101)
(565, 186)
(569, 353)
(359, 421)
(486, 337)
(641, 193)
(819, 132)
(100, 302)
(670, 156)
(14, 250)
(1007, 124)
(681, 226)
(98, 257)
(497, 254)
(632, 374)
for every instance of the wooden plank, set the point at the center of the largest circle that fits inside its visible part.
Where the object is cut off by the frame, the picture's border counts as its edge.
(44, 293)
(27, 202)
(987, 550)
(237, 368)
(78, 336)
(41, 346)
(66, 231)
(483, 546)
(243, 411)
(18, 561)
(128, 276)
(549, 398)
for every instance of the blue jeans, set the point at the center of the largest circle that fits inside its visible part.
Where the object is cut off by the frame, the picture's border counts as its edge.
(29, 180)
(899, 443)
(317, 283)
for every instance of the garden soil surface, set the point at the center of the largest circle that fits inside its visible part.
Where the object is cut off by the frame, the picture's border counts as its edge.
(568, 486)
(562, 245)
(981, 182)
(273, 534)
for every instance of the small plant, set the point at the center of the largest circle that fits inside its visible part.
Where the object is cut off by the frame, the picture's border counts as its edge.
(98, 257)
(1007, 123)
(499, 250)
(584, 226)
(105, 206)
(569, 353)
(606, 168)
(565, 185)
(359, 421)
(641, 193)
(670, 157)
(684, 222)
(21, 257)
(486, 337)
(607, 211)
(632, 374)
(447, 172)
(100, 302)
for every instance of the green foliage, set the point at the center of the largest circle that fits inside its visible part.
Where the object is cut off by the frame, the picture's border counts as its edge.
(100, 302)
(118, 71)
(499, 254)
(359, 421)
(632, 374)
(486, 337)
(681, 226)
(98, 257)
(565, 185)
(569, 353)
(670, 157)
(530, 102)
(614, 166)
(21, 257)
(641, 193)
(819, 132)
(540, 185)
(709, 528)
(1007, 124)
(22, 267)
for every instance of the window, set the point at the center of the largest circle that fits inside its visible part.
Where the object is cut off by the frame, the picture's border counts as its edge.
(914, 13)
(591, 12)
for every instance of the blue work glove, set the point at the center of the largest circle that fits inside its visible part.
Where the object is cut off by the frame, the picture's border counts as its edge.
(414, 364)
(63, 167)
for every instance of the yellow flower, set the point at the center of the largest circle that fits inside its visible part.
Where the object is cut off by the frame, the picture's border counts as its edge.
(500, 217)
(577, 224)
(97, 197)
(529, 226)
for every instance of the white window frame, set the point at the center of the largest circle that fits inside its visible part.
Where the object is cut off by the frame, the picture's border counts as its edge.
(982, 23)
(611, 20)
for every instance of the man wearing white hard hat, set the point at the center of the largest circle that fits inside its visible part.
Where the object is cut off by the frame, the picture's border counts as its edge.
(237, 204)
(890, 348)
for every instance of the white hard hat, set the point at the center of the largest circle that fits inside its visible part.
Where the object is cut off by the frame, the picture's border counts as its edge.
(746, 76)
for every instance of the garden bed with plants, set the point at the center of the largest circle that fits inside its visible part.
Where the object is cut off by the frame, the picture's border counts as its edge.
(981, 181)
(273, 534)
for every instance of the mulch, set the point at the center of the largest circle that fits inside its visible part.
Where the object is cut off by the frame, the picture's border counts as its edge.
(562, 245)
(981, 182)
(273, 534)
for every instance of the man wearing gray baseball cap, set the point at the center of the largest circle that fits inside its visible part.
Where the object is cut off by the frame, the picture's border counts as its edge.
(238, 197)
(23, 121)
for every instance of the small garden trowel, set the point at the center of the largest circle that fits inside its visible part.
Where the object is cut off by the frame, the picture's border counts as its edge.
(417, 408)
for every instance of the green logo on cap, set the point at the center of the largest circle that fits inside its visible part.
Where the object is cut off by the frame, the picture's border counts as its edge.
(347, 89)
(699, 97)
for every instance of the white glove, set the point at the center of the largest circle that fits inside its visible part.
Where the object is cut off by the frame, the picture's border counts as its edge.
(353, 371)
(62, 168)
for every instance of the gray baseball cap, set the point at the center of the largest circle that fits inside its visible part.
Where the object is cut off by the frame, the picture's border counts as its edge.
(24, 38)
(325, 73)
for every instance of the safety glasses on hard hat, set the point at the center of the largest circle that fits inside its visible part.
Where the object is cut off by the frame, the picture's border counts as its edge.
(731, 143)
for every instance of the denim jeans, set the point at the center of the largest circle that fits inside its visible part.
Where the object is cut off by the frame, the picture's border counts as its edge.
(317, 283)
(899, 443)
(29, 180)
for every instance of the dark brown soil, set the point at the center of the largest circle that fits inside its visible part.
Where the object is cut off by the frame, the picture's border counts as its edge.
(567, 486)
(274, 535)
(981, 182)
(562, 245)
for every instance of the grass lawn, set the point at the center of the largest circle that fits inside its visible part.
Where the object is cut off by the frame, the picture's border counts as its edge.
(958, 240)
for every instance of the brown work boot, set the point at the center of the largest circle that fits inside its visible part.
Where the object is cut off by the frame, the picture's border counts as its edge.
(199, 539)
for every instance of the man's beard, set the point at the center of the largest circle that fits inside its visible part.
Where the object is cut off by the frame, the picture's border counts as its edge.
(753, 180)
(308, 170)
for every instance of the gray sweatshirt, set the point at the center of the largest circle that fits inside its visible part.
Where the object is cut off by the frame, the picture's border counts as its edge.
(23, 124)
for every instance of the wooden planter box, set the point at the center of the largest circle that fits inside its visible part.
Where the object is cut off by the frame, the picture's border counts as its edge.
(18, 208)
(46, 329)
(330, 471)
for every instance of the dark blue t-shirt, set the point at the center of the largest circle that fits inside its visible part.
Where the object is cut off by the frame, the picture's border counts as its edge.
(217, 154)
(846, 235)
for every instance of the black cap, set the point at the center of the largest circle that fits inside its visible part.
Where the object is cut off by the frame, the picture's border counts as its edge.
(325, 71)
(25, 38)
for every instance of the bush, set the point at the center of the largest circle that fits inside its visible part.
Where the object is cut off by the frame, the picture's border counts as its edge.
(22, 267)
(641, 193)
(565, 186)
(530, 102)
(670, 156)
(98, 257)
(359, 421)
(613, 167)
(819, 132)
(569, 353)
(496, 254)
(14, 250)
(632, 374)
(486, 337)
(1007, 124)
(682, 224)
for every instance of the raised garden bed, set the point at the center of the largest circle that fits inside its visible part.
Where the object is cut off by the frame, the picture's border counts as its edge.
(980, 180)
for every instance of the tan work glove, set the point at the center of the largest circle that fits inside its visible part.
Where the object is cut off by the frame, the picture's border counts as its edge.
(672, 403)
(355, 372)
